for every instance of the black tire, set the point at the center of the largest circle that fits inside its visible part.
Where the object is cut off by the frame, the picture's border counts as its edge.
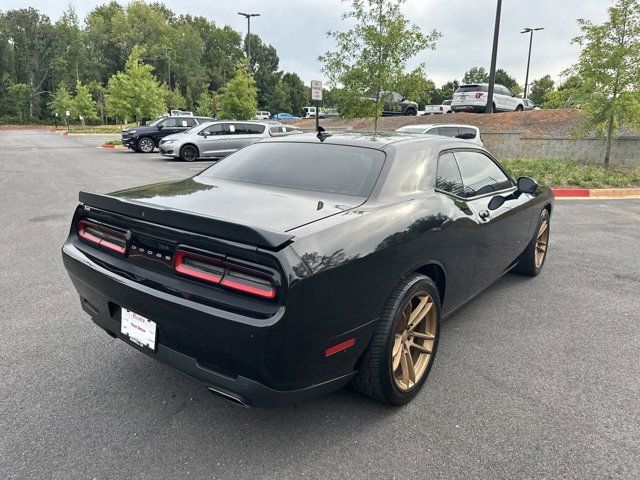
(411, 112)
(527, 264)
(375, 376)
(145, 145)
(189, 153)
(519, 108)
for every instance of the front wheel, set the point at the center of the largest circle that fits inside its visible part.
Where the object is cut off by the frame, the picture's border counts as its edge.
(532, 259)
(411, 112)
(396, 363)
(145, 145)
(188, 153)
(519, 108)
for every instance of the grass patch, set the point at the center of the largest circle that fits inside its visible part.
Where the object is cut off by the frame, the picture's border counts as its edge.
(113, 142)
(107, 129)
(559, 173)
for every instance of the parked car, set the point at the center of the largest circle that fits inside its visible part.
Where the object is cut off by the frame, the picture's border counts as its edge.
(310, 112)
(145, 139)
(285, 116)
(299, 264)
(445, 107)
(395, 104)
(529, 105)
(465, 132)
(262, 115)
(473, 98)
(217, 139)
(282, 130)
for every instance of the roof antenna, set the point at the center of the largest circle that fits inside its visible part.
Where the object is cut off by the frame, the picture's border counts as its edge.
(322, 134)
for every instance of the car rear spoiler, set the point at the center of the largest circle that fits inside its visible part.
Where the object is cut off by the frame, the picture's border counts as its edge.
(188, 221)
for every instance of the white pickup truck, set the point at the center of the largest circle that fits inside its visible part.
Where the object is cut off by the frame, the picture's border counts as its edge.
(436, 109)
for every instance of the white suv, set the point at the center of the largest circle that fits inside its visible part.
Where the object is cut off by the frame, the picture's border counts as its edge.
(465, 132)
(473, 98)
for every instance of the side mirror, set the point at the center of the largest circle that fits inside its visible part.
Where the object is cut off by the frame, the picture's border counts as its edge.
(496, 202)
(527, 185)
(205, 134)
(160, 127)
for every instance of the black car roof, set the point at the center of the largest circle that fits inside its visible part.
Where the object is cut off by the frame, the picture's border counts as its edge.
(379, 142)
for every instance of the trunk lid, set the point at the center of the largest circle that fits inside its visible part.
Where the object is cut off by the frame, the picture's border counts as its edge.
(269, 208)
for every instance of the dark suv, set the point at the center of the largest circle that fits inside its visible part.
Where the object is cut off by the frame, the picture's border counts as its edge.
(396, 104)
(145, 139)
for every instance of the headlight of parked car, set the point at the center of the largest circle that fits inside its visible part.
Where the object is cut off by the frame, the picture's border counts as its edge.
(164, 142)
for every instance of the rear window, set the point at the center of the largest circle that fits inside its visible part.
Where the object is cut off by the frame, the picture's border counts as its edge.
(303, 166)
(249, 128)
(471, 88)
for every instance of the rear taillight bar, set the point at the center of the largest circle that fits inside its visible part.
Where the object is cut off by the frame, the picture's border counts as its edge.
(229, 275)
(103, 236)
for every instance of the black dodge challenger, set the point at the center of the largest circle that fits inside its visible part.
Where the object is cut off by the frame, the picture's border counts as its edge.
(299, 264)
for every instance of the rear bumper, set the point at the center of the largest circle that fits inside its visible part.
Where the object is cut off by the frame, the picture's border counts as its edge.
(257, 362)
(468, 108)
(242, 390)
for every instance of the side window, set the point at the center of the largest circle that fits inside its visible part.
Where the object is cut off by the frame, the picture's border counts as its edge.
(432, 131)
(215, 129)
(449, 131)
(467, 132)
(480, 175)
(252, 129)
(189, 122)
(171, 122)
(448, 177)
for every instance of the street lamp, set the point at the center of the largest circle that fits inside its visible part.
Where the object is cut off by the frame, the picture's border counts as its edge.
(494, 55)
(530, 31)
(248, 17)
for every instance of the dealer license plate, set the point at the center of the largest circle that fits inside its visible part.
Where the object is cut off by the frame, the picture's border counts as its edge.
(139, 329)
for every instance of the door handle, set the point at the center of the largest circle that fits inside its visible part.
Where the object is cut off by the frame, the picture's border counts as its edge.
(484, 215)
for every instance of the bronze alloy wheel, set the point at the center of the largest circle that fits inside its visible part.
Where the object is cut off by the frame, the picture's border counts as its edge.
(414, 341)
(542, 241)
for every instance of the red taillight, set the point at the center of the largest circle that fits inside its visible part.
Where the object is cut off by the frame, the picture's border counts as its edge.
(479, 94)
(103, 236)
(228, 275)
(198, 266)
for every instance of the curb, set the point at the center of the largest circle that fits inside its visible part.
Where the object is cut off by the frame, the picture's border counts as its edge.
(596, 192)
(112, 147)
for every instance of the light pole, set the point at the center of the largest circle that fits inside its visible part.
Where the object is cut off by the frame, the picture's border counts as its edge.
(168, 52)
(494, 55)
(530, 31)
(248, 17)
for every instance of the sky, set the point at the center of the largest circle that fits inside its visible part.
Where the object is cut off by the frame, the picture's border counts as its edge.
(297, 29)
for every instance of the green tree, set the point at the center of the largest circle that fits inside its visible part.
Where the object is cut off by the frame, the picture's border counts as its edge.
(173, 99)
(370, 57)
(566, 95)
(135, 93)
(445, 92)
(83, 105)
(20, 95)
(503, 78)
(540, 89)
(415, 86)
(239, 96)
(208, 104)
(62, 102)
(296, 91)
(609, 66)
(476, 75)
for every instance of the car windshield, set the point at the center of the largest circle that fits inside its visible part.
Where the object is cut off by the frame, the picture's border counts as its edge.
(471, 88)
(156, 121)
(411, 130)
(197, 128)
(304, 166)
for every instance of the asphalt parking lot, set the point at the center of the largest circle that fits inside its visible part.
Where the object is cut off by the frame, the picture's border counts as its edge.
(537, 378)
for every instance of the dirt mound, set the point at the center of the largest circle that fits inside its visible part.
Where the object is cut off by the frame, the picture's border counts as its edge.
(533, 123)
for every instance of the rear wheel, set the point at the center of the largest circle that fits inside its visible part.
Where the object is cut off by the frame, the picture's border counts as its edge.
(189, 153)
(532, 259)
(145, 145)
(396, 364)
(411, 112)
(519, 108)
